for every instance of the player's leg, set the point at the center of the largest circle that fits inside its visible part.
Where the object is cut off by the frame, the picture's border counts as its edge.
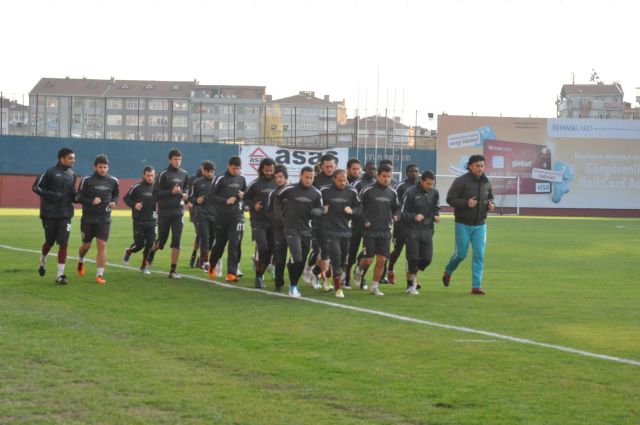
(478, 243)
(463, 237)
(176, 236)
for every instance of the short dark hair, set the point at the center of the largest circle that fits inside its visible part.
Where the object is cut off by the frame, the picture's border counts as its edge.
(352, 161)
(369, 164)
(473, 159)
(64, 152)
(235, 161)
(428, 175)
(306, 169)
(101, 159)
(328, 157)
(281, 168)
(174, 153)
(339, 171)
(385, 161)
(266, 162)
(406, 170)
(208, 165)
(384, 168)
(148, 169)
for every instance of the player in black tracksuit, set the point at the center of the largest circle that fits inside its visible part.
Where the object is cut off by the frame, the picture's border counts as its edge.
(399, 228)
(194, 261)
(227, 193)
(98, 194)
(354, 170)
(274, 213)
(379, 210)
(257, 200)
(203, 210)
(300, 202)
(420, 210)
(57, 191)
(341, 204)
(367, 179)
(170, 190)
(143, 212)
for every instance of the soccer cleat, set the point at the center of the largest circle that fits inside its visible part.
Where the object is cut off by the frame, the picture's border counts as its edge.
(307, 274)
(278, 288)
(477, 291)
(231, 278)
(357, 277)
(339, 293)
(446, 278)
(326, 285)
(391, 276)
(145, 270)
(375, 291)
(62, 280)
(206, 267)
(259, 283)
(150, 258)
(126, 257)
(174, 275)
(213, 272)
(383, 281)
(347, 286)
(239, 272)
(100, 280)
(411, 290)
(363, 284)
(41, 270)
(294, 292)
(81, 269)
(316, 282)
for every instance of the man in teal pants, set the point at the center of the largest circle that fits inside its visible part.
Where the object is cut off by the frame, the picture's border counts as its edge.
(471, 197)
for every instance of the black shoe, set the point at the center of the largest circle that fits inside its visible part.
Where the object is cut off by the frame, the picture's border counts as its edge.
(383, 281)
(278, 288)
(62, 280)
(192, 261)
(446, 278)
(41, 270)
(346, 286)
(363, 284)
(259, 283)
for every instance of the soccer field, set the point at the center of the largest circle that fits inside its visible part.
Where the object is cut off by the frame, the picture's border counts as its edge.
(556, 340)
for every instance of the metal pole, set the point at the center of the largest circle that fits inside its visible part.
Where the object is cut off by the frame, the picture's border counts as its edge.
(37, 102)
(234, 123)
(295, 126)
(1, 114)
(200, 121)
(386, 135)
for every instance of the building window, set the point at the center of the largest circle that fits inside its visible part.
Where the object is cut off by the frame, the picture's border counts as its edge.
(114, 119)
(132, 135)
(158, 120)
(114, 135)
(180, 121)
(114, 103)
(52, 102)
(158, 105)
(180, 105)
(132, 120)
(132, 104)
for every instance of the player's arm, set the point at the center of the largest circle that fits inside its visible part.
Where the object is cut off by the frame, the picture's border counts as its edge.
(41, 188)
(85, 195)
(115, 193)
(407, 211)
(159, 187)
(317, 209)
(216, 190)
(130, 198)
(455, 196)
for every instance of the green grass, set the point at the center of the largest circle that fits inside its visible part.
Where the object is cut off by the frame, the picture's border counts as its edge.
(146, 349)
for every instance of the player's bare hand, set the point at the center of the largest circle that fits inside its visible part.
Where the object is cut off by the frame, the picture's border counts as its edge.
(112, 205)
(258, 206)
(436, 219)
(472, 202)
(176, 189)
(348, 210)
(200, 199)
(185, 196)
(367, 225)
(96, 201)
(419, 217)
(240, 195)
(325, 209)
(232, 200)
(396, 218)
(492, 206)
(138, 206)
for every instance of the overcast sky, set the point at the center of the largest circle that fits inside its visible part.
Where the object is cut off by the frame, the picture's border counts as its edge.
(486, 57)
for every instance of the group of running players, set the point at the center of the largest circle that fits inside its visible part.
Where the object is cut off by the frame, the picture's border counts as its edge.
(321, 221)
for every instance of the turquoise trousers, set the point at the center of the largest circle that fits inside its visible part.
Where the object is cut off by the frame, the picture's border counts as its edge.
(477, 237)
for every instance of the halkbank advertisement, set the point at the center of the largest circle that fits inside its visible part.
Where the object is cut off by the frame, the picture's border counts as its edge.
(562, 163)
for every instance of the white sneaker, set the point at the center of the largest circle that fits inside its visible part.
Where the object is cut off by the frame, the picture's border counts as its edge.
(239, 272)
(294, 292)
(306, 274)
(411, 290)
(316, 283)
(357, 277)
(326, 284)
(339, 293)
(206, 267)
(145, 270)
(375, 291)
(174, 275)
(219, 268)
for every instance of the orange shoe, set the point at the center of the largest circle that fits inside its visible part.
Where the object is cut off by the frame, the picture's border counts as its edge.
(81, 269)
(100, 280)
(212, 272)
(231, 278)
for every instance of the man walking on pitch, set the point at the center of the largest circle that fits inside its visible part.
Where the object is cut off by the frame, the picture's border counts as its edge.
(379, 210)
(227, 193)
(57, 191)
(420, 210)
(170, 193)
(204, 211)
(98, 194)
(300, 202)
(257, 200)
(399, 228)
(341, 203)
(471, 197)
(143, 211)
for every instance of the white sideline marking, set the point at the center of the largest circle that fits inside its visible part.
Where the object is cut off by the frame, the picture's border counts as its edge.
(383, 314)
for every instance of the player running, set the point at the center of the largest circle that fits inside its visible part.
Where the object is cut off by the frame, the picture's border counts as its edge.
(57, 191)
(143, 212)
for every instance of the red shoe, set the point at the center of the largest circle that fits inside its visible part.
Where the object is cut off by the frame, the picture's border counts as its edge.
(100, 280)
(81, 269)
(231, 278)
(212, 272)
(477, 291)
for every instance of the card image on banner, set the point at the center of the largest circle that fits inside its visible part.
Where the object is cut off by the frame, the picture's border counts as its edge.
(505, 158)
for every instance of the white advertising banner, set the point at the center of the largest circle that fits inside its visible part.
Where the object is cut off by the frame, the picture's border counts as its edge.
(293, 159)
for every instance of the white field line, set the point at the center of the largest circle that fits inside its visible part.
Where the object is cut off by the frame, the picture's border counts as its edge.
(385, 314)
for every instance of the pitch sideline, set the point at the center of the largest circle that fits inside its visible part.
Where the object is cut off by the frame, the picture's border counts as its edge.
(382, 314)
